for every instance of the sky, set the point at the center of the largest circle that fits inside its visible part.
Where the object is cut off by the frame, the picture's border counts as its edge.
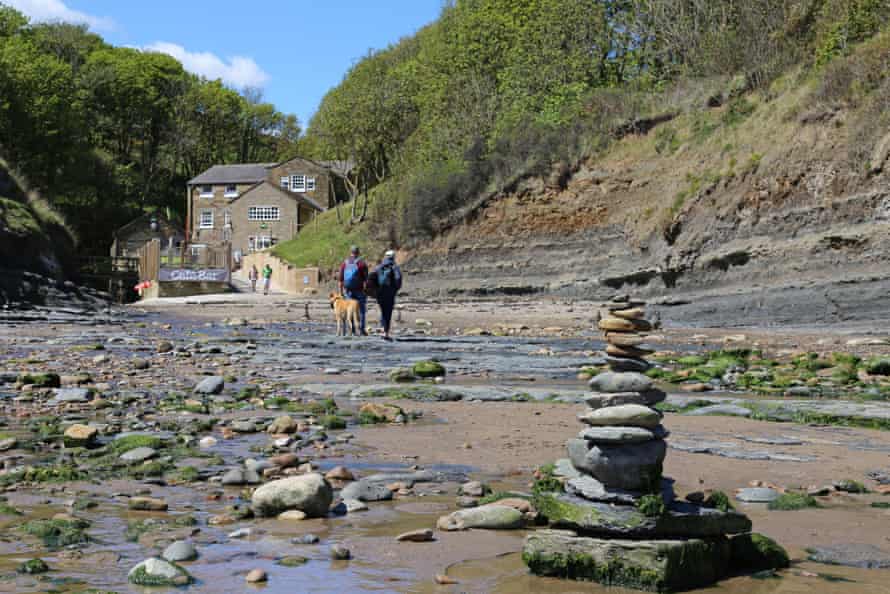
(295, 50)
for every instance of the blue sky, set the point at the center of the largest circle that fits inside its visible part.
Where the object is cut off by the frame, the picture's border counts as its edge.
(294, 49)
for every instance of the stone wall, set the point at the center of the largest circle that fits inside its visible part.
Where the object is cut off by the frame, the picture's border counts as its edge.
(285, 277)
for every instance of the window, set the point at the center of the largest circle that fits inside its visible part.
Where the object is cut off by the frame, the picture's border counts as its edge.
(227, 219)
(231, 191)
(298, 183)
(261, 242)
(196, 248)
(206, 220)
(285, 183)
(206, 191)
(310, 184)
(263, 213)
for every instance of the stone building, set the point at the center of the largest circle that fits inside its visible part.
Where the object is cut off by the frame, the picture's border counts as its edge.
(257, 205)
(127, 240)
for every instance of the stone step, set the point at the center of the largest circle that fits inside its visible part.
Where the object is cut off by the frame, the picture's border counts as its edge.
(652, 565)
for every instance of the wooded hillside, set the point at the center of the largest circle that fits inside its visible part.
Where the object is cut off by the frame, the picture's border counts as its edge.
(104, 133)
(497, 90)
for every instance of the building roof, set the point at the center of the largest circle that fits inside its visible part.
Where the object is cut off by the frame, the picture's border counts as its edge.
(299, 197)
(243, 173)
(144, 220)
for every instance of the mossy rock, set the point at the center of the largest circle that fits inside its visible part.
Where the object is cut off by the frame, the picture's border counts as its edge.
(678, 520)
(158, 572)
(56, 534)
(402, 375)
(878, 367)
(755, 552)
(792, 500)
(33, 566)
(332, 422)
(718, 500)
(428, 369)
(650, 565)
(131, 442)
(42, 380)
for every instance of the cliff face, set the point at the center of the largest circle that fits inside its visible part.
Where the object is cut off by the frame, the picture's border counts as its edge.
(36, 251)
(772, 219)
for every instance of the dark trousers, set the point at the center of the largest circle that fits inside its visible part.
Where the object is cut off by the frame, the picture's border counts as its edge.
(386, 302)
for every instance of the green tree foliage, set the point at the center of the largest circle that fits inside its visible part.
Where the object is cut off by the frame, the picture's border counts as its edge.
(497, 88)
(106, 132)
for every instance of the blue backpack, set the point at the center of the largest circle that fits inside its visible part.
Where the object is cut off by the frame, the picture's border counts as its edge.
(386, 277)
(352, 280)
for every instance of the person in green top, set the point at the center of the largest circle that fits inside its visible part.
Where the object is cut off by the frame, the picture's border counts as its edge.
(267, 278)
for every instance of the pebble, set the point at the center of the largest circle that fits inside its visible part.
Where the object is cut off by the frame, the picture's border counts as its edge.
(306, 539)
(147, 504)
(422, 535)
(255, 576)
(340, 553)
(241, 533)
(180, 551)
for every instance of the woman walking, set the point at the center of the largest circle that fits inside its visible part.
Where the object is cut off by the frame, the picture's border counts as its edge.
(387, 280)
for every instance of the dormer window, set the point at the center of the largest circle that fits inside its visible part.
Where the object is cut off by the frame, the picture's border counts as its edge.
(298, 183)
(310, 184)
(285, 183)
(206, 191)
(231, 191)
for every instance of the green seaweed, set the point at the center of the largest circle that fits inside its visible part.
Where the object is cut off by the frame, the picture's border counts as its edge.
(793, 500)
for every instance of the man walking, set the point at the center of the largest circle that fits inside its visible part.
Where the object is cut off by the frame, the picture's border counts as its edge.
(267, 278)
(352, 278)
(253, 275)
(387, 278)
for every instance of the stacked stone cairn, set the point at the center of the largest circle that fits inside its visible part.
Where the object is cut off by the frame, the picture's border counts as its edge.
(616, 521)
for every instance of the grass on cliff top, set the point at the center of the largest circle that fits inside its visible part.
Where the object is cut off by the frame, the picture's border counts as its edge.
(325, 241)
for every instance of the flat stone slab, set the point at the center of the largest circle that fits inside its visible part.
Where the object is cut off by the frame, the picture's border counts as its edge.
(625, 415)
(589, 488)
(731, 410)
(597, 400)
(622, 435)
(757, 495)
(627, 364)
(140, 454)
(653, 565)
(852, 555)
(681, 520)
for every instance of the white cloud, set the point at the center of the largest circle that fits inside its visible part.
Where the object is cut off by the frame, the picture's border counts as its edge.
(239, 71)
(42, 11)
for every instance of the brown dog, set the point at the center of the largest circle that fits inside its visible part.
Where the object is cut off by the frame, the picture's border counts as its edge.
(346, 313)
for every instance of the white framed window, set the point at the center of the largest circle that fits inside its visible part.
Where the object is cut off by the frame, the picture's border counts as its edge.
(206, 191)
(310, 184)
(298, 183)
(196, 248)
(205, 221)
(260, 242)
(263, 213)
(231, 191)
(285, 183)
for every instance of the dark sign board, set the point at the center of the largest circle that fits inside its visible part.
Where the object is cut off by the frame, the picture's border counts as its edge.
(200, 275)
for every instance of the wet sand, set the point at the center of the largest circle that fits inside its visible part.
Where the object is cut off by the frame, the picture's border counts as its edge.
(498, 442)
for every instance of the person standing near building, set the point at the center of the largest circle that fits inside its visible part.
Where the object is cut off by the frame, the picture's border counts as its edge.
(253, 275)
(387, 279)
(352, 279)
(267, 278)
